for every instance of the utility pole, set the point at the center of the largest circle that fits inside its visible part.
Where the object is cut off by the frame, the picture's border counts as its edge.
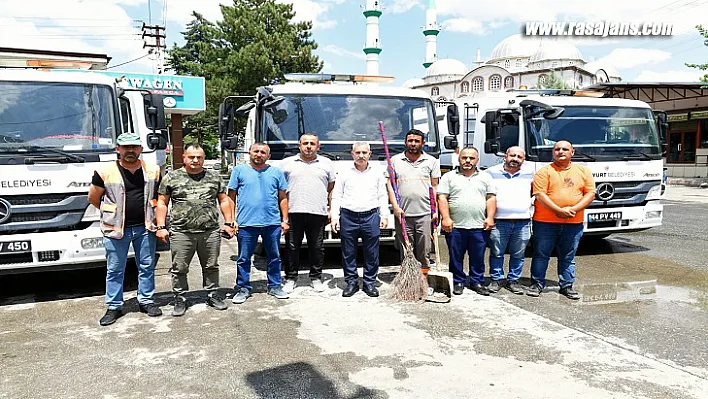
(154, 38)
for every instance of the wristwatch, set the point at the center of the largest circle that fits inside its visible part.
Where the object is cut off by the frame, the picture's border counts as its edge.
(230, 224)
(286, 222)
(163, 227)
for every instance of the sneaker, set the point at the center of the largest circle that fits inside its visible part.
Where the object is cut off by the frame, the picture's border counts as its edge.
(317, 285)
(110, 317)
(180, 306)
(241, 295)
(289, 286)
(494, 286)
(278, 292)
(569, 293)
(534, 290)
(151, 309)
(514, 287)
(215, 301)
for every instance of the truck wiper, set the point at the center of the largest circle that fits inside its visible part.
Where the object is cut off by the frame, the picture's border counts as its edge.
(583, 156)
(65, 156)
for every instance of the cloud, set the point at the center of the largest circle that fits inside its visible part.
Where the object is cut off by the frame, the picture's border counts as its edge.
(669, 76)
(401, 6)
(625, 58)
(463, 25)
(684, 14)
(336, 50)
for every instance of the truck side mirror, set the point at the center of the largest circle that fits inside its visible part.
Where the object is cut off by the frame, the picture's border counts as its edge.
(156, 141)
(450, 142)
(453, 120)
(229, 142)
(154, 111)
(491, 125)
(491, 147)
(226, 119)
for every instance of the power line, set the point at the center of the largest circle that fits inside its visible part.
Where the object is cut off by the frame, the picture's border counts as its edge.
(128, 62)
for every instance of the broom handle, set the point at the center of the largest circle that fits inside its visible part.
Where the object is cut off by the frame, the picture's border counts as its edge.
(392, 177)
(433, 211)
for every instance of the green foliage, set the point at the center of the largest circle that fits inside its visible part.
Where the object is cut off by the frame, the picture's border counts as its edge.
(553, 81)
(703, 32)
(254, 44)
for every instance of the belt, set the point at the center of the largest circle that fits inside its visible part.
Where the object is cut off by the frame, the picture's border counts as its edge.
(360, 214)
(514, 220)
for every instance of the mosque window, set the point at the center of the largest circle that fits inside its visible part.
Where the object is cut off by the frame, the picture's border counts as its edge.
(508, 82)
(495, 82)
(478, 84)
(465, 87)
(543, 78)
(519, 63)
(571, 62)
(580, 80)
(435, 91)
(507, 63)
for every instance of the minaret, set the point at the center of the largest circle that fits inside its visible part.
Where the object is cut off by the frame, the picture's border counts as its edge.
(372, 49)
(478, 61)
(431, 31)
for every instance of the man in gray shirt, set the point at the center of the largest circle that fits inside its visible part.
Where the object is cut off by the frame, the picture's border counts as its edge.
(310, 181)
(415, 172)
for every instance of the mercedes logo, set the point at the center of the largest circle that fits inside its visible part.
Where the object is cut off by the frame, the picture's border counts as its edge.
(4, 210)
(605, 191)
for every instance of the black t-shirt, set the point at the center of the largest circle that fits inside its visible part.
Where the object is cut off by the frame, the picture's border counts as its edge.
(134, 195)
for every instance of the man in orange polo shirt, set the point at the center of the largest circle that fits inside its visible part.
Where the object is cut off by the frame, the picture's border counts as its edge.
(562, 190)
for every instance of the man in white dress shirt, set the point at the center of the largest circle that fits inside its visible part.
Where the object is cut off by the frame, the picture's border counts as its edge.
(360, 209)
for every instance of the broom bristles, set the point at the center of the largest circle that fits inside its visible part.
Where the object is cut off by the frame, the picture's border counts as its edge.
(410, 284)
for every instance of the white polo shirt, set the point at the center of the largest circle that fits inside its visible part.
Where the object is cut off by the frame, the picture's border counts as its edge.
(514, 200)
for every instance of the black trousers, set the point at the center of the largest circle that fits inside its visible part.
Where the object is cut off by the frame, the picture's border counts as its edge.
(305, 225)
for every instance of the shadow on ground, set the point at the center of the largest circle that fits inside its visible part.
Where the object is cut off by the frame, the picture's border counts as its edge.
(302, 380)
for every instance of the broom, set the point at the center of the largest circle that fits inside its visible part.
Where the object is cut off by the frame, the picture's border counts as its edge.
(410, 284)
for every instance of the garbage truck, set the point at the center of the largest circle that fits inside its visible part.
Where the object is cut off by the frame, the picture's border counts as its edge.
(340, 110)
(56, 128)
(620, 140)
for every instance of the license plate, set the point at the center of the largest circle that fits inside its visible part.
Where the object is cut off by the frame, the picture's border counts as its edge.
(15, 246)
(604, 216)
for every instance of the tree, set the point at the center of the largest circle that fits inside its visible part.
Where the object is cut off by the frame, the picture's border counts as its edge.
(254, 44)
(703, 32)
(553, 81)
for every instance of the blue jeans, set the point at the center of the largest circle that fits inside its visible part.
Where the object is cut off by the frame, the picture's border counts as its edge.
(473, 242)
(247, 239)
(366, 225)
(564, 238)
(116, 257)
(514, 235)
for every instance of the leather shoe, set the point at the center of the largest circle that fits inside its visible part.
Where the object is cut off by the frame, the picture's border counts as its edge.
(371, 290)
(569, 293)
(110, 317)
(150, 309)
(351, 289)
(480, 289)
(458, 288)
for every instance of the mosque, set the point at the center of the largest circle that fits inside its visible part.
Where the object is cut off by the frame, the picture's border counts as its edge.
(516, 62)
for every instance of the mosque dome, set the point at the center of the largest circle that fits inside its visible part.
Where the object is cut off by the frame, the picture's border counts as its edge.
(556, 50)
(414, 82)
(514, 46)
(447, 66)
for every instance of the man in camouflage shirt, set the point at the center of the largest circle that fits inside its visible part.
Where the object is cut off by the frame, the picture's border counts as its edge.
(194, 224)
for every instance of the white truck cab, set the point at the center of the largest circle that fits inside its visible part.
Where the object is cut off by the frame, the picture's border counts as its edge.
(620, 140)
(56, 128)
(340, 110)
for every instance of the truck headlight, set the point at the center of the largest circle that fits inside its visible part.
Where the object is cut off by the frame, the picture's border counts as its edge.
(654, 193)
(92, 214)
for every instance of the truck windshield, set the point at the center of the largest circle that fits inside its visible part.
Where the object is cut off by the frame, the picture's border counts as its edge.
(341, 120)
(597, 133)
(64, 116)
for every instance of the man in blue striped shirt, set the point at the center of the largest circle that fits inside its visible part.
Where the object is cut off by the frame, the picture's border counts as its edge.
(512, 226)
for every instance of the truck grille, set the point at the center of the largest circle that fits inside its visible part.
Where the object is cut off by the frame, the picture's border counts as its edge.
(626, 193)
(45, 212)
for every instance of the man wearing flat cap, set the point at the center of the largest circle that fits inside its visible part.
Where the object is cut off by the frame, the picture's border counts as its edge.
(125, 193)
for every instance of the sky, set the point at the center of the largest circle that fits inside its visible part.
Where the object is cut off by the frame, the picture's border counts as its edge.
(113, 27)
